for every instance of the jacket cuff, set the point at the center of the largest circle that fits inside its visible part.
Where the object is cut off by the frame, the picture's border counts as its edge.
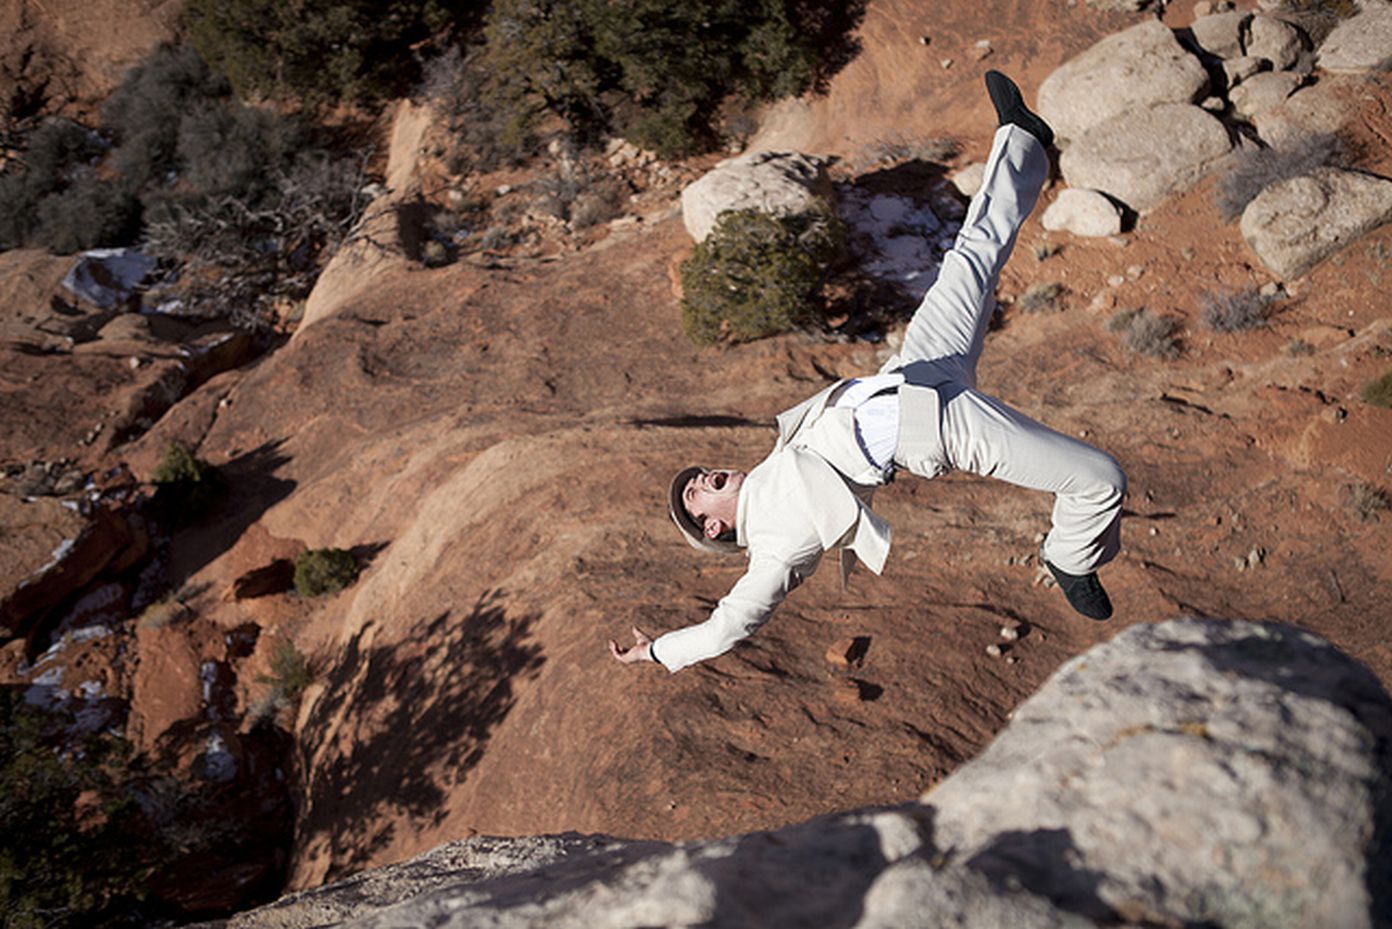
(652, 653)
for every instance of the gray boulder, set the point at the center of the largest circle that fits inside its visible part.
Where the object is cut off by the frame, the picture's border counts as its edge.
(1144, 155)
(1316, 109)
(1139, 67)
(1263, 92)
(1227, 774)
(1186, 773)
(1220, 34)
(1295, 224)
(1083, 213)
(781, 183)
(1360, 43)
(1274, 40)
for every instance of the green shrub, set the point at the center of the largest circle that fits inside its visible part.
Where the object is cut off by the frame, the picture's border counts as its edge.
(146, 111)
(319, 51)
(186, 487)
(324, 571)
(1379, 392)
(656, 71)
(89, 214)
(71, 852)
(290, 672)
(53, 199)
(756, 274)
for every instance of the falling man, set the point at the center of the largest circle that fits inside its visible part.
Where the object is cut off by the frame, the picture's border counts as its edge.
(920, 413)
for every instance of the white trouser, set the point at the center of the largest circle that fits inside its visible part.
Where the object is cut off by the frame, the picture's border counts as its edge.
(981, 434)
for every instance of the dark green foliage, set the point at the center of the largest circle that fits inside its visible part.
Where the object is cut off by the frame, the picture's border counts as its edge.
(145, 113)
(43, 202)
(1254, 170)
(756, 275)
(186, 487)
(319, 51)
(486, 132)
(71, 853)
(235, 151)
(656, 71)
(1379, 392)
(324, 571)
(88, 214)
(1235, 312)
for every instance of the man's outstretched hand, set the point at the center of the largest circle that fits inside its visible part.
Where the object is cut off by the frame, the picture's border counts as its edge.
(639, 652)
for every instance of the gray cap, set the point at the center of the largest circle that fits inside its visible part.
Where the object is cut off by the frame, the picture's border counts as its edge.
(693, 531)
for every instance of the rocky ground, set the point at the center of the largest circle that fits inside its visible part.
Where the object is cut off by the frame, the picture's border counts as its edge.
(493, 439)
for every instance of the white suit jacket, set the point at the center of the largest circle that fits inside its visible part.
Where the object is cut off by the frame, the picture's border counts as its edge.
(812, 493)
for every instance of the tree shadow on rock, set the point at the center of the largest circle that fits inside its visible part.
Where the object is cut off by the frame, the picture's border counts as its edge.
(412, 718)
(1042, 862)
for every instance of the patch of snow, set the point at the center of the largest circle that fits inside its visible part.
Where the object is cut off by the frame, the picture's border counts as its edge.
(46, 689)
(90, 690)
(207, 673)
(92, 716)
(899, 239)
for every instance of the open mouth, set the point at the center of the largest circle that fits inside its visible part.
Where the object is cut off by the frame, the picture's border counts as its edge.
(717, 480)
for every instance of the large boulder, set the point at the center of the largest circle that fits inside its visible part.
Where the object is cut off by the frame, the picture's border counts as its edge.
(1360, 43)
(1294, 225)
(781, 183)
(1220, 34)
(1274, 40)
(1082, 212)
(1186, 773)
(1140, 67)
(1144, 155)
(1317, 109)
(1263, 92)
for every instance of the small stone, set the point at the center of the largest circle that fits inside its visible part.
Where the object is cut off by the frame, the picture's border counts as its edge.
(1202, 8)
(1270, 289)
(1134, 272)
(946, 63)
(1334, 414)
(994, 650)
(1116, 280)
(1038, 537)
(925, 40)
(1256, 556)
(1154, 530)
(848, 652)
(134, 362)
(1240, 564)
(1010, 633)
(982, 49)
(1011, 659)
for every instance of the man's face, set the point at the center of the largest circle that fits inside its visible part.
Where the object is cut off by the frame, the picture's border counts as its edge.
(712, 499)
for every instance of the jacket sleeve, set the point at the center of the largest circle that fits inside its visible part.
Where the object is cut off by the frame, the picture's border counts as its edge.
(740, 613)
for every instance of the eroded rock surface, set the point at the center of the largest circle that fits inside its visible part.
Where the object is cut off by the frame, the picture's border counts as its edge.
(1188, 772)
(1082, 212)
(1360, 43)
(1294, 225)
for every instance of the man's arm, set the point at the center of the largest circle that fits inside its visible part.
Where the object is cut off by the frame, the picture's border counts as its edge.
(741, 612)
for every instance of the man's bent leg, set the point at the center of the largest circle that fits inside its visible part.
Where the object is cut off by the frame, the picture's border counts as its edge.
(951, 321)
(985, 436)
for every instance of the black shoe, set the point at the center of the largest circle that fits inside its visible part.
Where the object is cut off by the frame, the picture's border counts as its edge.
(1011, 109)
(1084, 593)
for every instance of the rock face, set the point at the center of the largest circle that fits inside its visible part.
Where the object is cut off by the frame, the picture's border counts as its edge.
(1275, 41)
(1220, 34)
(1263, 92)
(1140, 67)
(1082, 212)
(1188, 772)
(1143, 155)
(1316, 109)
(771, 182)
(1360, 43)
(1294, 225)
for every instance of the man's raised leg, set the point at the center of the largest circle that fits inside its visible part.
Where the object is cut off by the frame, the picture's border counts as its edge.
(951, 322)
